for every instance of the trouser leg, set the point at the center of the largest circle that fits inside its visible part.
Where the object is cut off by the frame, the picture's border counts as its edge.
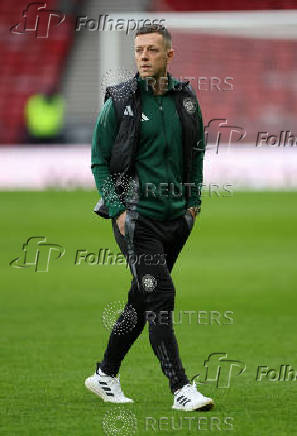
(126, 330)
(160, 304)
(158, 240)
(130, 323)
(151, 295)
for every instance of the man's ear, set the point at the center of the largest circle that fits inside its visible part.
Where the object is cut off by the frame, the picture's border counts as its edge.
(170, 54)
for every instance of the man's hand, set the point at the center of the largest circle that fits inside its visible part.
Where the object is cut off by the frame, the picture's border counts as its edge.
(120, 221)
(194, 212)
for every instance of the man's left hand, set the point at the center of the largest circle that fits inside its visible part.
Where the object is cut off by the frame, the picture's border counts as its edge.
(194, 212)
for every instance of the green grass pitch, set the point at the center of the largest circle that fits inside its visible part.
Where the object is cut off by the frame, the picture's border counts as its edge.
(241, 257)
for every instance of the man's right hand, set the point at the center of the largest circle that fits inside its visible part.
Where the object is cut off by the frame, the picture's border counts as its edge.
(120, 221)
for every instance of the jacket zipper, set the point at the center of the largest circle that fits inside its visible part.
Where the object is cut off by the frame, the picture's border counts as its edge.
(166, 143)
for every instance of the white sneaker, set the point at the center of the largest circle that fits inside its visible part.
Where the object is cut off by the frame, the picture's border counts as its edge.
(188, 399)
(106, 387)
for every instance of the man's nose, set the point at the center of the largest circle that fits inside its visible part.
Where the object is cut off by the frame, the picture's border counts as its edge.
(144, 55)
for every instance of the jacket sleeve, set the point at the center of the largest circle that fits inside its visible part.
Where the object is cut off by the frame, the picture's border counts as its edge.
(102, 143)
(197, 168)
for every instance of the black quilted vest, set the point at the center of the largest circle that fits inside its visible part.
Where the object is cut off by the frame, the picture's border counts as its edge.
(127, 96)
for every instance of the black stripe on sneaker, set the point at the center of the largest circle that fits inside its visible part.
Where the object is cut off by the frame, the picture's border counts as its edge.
(109, 394)
(185, 402)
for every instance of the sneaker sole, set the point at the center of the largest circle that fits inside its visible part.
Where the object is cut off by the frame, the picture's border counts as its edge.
(91, 387)
(206, 407)
(202, 408)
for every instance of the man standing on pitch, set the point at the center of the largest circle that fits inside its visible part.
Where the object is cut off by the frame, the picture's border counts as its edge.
(149, 132)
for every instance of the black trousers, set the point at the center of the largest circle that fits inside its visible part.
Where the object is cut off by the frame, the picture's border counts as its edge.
(151, 248)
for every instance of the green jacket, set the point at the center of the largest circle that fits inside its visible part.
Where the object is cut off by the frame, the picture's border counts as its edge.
(159, 161)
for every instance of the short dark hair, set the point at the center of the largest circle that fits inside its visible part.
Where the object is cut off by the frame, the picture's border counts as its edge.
(156, 28)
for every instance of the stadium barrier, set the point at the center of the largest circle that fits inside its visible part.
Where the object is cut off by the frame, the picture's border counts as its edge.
(245, 167)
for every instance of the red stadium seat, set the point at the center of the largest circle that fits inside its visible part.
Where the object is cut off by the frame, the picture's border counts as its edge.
(31, 65)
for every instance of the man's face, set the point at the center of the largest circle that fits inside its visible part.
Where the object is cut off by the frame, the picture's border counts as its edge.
(151, 55)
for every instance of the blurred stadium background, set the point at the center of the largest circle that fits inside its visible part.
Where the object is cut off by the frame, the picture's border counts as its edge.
(241, 58)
